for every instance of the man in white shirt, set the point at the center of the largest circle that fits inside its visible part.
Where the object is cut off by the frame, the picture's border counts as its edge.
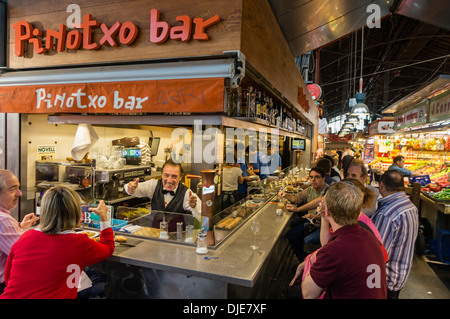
(167, 193)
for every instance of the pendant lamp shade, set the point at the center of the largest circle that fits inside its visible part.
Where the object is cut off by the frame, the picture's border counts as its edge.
(360, 109)
(348, 125)
(353, 119)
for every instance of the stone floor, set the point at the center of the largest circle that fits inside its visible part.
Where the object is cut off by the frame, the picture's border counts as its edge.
(424, 283)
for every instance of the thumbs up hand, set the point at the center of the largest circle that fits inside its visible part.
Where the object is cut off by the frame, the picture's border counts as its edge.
(192, 199)
(132, 186)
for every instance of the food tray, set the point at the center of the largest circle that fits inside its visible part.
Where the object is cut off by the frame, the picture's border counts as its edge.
(229, 223)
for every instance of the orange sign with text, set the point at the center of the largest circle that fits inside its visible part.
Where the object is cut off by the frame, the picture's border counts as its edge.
(156, 96)
(125, 33)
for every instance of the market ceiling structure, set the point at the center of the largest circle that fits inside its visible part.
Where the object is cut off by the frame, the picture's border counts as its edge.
(410, 47)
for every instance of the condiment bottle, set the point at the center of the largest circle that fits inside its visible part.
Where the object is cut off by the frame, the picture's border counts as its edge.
(164, 227)
(202, 246)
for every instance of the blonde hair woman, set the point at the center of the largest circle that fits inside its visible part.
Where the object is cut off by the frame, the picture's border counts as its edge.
(47, 262)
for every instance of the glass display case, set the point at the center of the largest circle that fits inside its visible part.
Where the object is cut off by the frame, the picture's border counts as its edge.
(179, 228)
(145, 223)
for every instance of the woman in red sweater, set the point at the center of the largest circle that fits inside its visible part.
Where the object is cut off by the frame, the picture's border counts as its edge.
(47, 262)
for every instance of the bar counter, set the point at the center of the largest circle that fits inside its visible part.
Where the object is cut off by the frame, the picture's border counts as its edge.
(157, 269)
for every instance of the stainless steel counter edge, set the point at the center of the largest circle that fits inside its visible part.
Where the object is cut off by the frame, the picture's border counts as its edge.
(236, 263)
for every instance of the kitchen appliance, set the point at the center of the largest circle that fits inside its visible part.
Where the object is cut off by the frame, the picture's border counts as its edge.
(109, 183)
(132, 155)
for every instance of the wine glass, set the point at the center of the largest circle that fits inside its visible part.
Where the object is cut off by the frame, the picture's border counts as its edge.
(255, 229)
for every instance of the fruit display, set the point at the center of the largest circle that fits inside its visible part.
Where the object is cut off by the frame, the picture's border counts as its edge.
(419, 165)
(428, 170)
(441, 178)
(444, 194)
(431, 144)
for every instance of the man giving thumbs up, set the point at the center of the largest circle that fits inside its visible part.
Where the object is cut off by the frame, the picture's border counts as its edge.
(167, 194)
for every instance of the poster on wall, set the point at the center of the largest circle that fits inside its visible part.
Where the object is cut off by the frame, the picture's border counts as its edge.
(368, 152)
(46, 153)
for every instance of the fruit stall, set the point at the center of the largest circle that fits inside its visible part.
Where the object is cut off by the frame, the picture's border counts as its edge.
(422, 136)
(379, 145)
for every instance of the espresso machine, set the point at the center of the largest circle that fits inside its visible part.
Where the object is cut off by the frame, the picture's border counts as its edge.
(109, 183)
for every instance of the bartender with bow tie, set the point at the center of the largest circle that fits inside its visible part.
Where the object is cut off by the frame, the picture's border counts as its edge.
(167, 194)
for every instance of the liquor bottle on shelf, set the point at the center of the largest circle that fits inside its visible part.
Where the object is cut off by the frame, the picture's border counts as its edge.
(230, 102)
(243, 110)
(263, 106)
(237, 101)
(280, 115)
(251, 102)
(273, 112)
(258, 104)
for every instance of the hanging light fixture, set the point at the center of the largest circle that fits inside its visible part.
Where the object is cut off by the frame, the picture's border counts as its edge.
(348, 126)
(360, 109)
(352, 119)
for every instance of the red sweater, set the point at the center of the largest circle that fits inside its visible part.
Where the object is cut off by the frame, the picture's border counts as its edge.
(41, 266)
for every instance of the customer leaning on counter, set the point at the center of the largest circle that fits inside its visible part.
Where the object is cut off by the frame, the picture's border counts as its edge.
(167, 194)
(46, 262)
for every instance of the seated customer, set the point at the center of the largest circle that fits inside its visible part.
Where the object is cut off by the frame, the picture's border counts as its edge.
(334, 172)
(46, 262)
(296, 235)
(325, 232)
(351, 264)
(10, 228)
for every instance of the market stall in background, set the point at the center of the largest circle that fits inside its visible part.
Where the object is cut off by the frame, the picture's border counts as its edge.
(422, 136)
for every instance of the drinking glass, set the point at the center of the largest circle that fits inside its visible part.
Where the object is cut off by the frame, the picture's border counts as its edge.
(255, 229)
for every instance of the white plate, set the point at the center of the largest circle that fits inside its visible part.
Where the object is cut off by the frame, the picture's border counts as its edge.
(90, 233)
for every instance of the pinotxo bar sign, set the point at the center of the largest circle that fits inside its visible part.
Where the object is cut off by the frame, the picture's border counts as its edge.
(80, 37)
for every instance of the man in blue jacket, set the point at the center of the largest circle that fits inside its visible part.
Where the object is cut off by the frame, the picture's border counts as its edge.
(398, 165)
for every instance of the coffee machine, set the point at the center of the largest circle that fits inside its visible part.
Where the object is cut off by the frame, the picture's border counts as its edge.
(109, 183)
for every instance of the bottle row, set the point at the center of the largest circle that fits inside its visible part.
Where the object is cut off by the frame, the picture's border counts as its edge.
(256, 104)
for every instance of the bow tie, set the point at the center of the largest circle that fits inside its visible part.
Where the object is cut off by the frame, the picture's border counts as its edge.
(168, 192)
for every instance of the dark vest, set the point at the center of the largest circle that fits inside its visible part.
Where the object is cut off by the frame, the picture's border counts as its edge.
(175, 206)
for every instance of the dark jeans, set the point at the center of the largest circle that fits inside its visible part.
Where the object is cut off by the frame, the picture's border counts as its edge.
(298, 238)
(2, 287)
(393, 294)
(229, 198)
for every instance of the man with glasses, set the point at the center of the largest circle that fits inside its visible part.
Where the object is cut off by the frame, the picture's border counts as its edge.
(296, 235)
